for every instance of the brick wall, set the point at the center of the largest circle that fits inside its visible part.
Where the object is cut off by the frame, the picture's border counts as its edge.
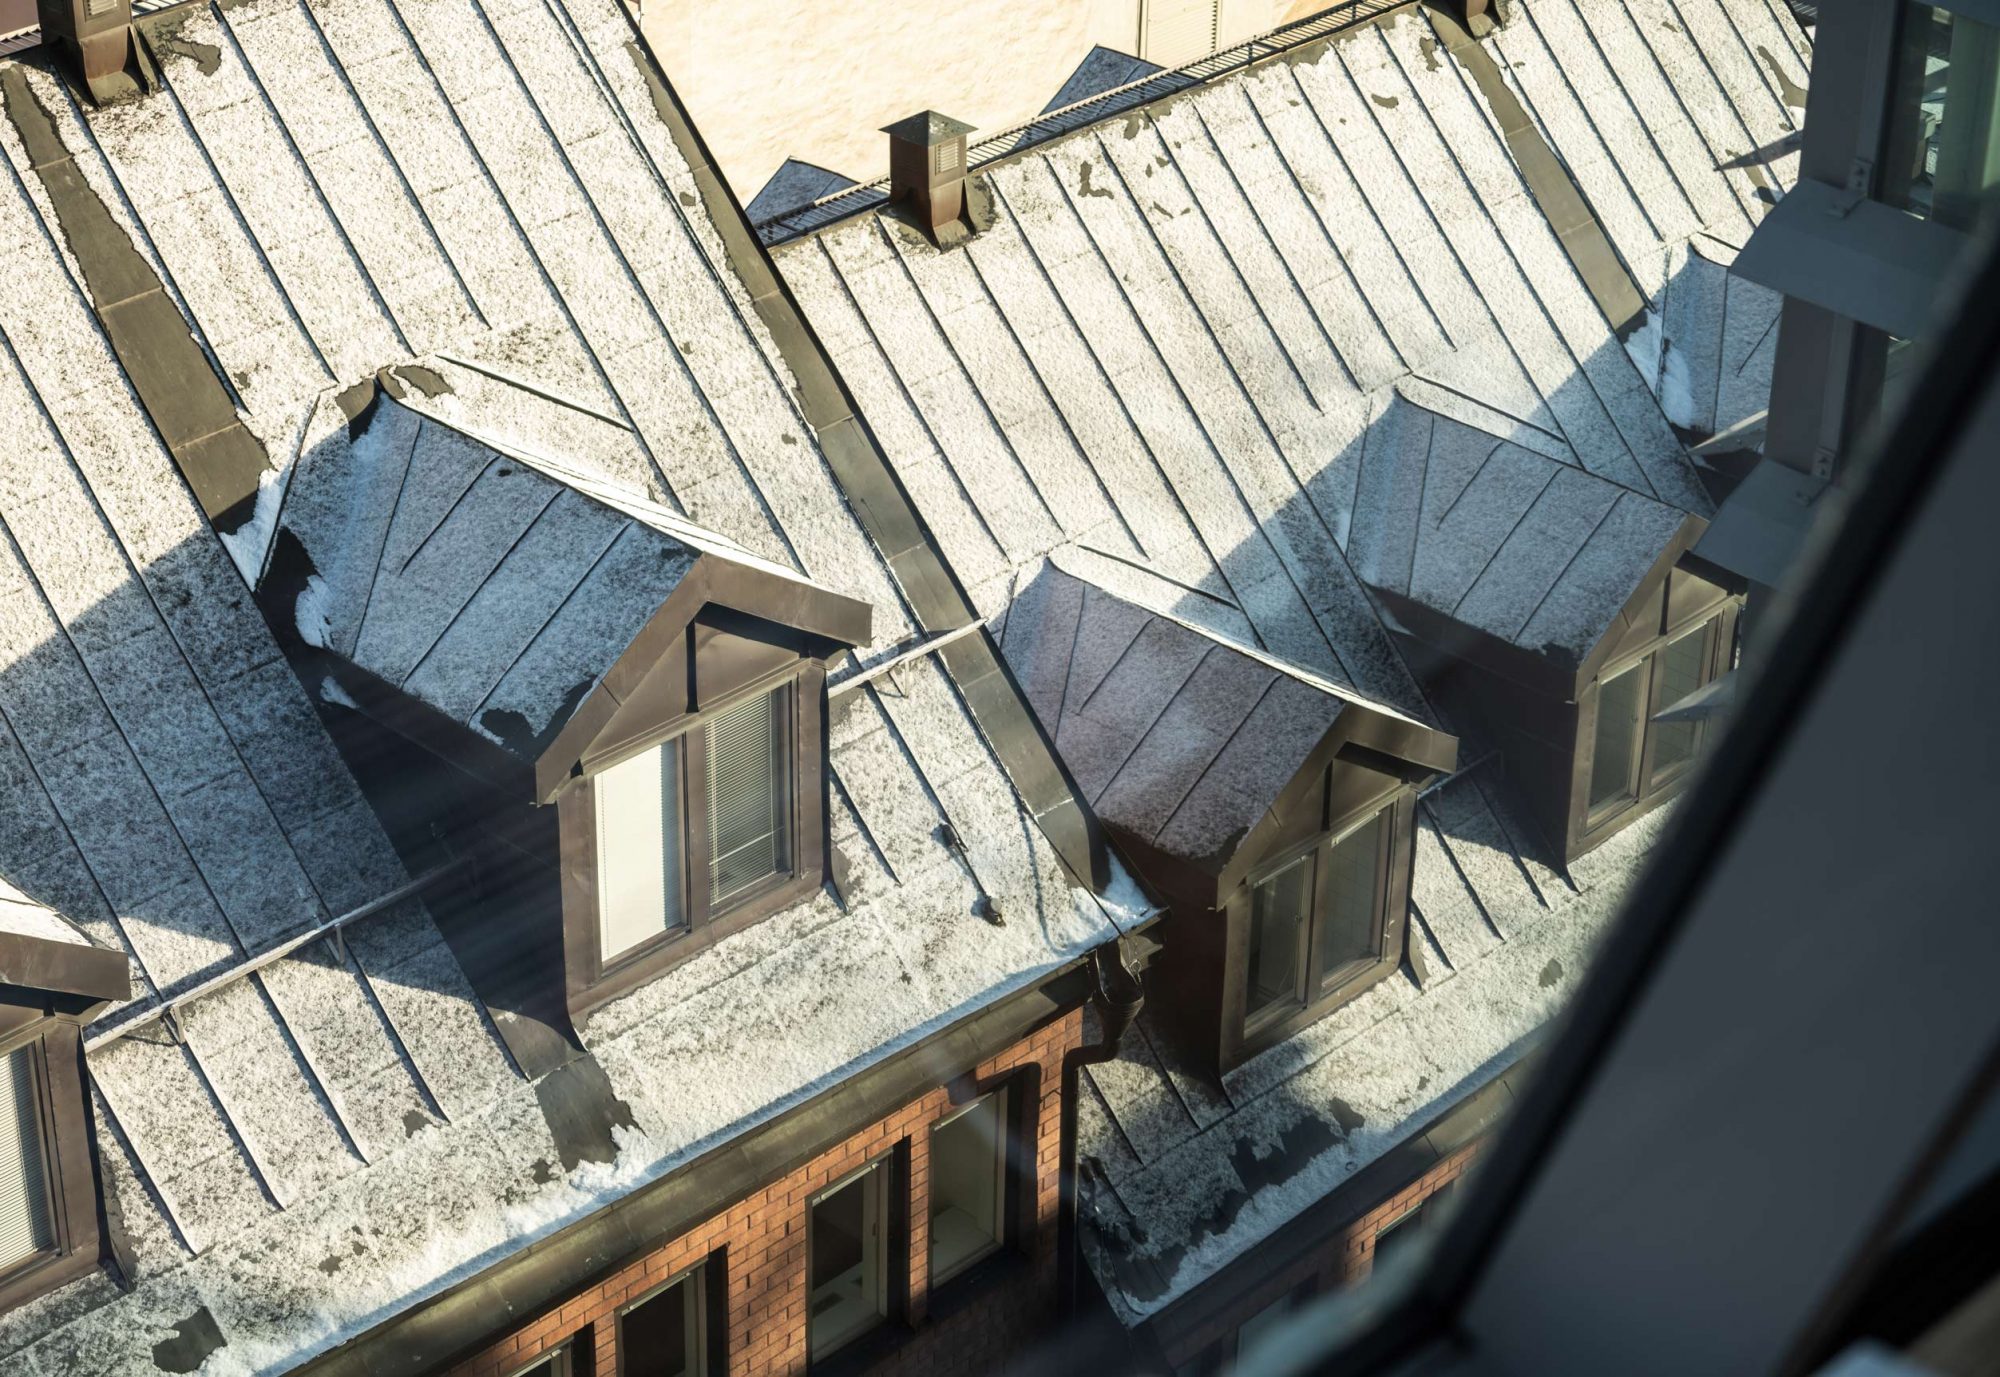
(762, 1245)
(1345, 1257)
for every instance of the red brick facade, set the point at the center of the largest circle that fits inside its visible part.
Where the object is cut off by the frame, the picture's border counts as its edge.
(761, 1246)
(1345, 1257)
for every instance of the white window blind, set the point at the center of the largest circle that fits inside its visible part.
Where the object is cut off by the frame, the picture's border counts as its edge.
(749, 796)
(1177, 31)
(25, 1228)
(638, 849)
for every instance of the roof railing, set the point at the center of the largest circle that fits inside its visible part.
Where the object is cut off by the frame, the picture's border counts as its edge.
(799, 221)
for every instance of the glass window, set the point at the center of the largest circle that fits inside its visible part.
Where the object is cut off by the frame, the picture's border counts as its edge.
(968, 1176)
(1683, 668)
(1615, 746)
(849, 1259)
(1279, 909)
(639, 849)
(1942, 154)
(749, 796)
(662, 1335)
(25, 1226)
(1254, 1330)
(554, 1364)
(1352, 924)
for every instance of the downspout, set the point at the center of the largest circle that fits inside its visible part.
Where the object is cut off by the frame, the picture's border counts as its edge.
(1118, 998)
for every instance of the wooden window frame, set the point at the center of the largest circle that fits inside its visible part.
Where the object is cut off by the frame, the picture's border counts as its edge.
(1245, 1034)
(562, 1354)
(1643, 789)
(1007, 1164)
(710, 1279)
(894, 1258)
(593, 980)
(69, 1159)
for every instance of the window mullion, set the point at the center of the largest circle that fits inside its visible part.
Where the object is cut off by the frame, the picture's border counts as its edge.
(695, 839)
(1313, 974)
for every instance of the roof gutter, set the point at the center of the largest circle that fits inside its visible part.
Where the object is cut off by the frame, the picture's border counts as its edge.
(461, 1319)
(1119, 997)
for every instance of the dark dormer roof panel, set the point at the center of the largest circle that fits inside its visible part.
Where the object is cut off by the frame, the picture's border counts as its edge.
(495, 586)
(43, 951)
(1496, 535)
(1177, 736)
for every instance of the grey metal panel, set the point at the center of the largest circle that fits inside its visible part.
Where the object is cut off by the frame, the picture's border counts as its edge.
(1858, 258)
(1760, 527)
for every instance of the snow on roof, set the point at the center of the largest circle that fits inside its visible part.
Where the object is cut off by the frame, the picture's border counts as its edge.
(1173, 733)
(1179, 335)
(1300, 328)
(25, 917)
(474, 193)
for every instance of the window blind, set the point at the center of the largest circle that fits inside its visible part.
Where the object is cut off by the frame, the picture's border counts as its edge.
(638, 849)
(749, 796)
(25, 1227)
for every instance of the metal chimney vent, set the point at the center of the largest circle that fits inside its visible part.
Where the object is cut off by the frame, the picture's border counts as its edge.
(927, 169)
(95, 38)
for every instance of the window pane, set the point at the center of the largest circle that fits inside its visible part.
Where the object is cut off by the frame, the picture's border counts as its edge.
(749, 796)
(1353, 919)
(968, 1177)
(1615, 752)
(661, 1336)
(1683, 668)
(1254, 1330)
(1279, 908)
(1943, 151)
(638, 849)
(849, 1294)
(25, 1227)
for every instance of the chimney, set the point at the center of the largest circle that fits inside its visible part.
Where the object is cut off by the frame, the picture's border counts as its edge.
(95, 39)
(927, 168)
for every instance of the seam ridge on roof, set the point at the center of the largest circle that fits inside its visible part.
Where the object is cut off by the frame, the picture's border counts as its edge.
(1174, 813)
(1573, 556)
(1579, 368)
(379, 556)
(1200, 424)
(528, 246)
(473, 596)
(305, 169)
(1299, 292)
(1139, 739)
(1104, 376)
(951, 349)
(1083, 455)
(1555, 471)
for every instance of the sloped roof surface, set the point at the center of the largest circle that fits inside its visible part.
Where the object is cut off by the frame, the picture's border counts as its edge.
(1498, 536)
(1300, 329)
(327, 189)
(1172, 733)
(24, 917)
(490, 583)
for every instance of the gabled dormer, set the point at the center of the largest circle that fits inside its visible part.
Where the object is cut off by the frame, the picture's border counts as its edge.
(1559, 612)
(619, 717)
(1272, 809)
(53, 981)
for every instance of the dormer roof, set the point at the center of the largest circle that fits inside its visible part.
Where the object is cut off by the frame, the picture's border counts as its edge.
(43, 951)
(516, 595)
(1177, 736)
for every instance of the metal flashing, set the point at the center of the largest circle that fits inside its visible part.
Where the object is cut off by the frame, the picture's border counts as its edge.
(1858, 258)
(70, 968)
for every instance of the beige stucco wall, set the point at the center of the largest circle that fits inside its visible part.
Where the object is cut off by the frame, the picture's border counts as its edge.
(816, 79)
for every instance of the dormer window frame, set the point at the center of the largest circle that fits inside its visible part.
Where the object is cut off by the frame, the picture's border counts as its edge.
(47, 1028)
(595, 978)
(1247, 1031)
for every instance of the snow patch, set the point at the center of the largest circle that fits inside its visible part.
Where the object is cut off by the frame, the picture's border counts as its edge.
(313, 612)
(1665, 369)
(330, 691)
(249, 545)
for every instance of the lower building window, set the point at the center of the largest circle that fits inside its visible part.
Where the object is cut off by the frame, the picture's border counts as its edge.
(968, 1176)
(664, 1334)
(1258, 1327)
(848, 1247)
(27, 1230)
(552, 1364)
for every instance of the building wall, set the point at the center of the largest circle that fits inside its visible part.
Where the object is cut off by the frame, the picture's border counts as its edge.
(762, 1242)
(766, 80)
(1345, 1258)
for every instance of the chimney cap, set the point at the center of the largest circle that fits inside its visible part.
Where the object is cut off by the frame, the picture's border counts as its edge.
(927, 129)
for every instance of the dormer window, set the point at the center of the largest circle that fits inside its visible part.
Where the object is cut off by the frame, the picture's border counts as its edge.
(695, 826)
(48, 1172)
(1633, 758)
(1317, 921)
(27, 1232)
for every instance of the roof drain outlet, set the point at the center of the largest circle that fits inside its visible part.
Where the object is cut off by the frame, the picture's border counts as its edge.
(1119, 997)
(95, 40)
(927, 172)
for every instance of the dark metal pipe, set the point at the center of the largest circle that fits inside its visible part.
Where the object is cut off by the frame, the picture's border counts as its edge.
(1118, 997)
